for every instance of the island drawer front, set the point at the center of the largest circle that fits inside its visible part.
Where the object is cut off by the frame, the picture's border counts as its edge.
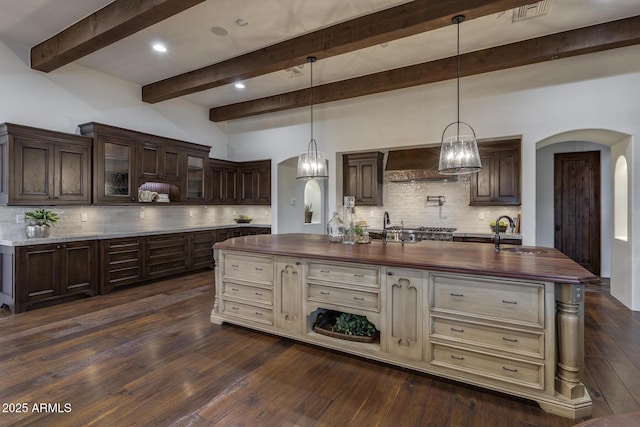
(246, 311)
(343, 297)
(510, 340)
(248, 268)
(513, 302)
(362, 276)
(251, 293)
(523, 373)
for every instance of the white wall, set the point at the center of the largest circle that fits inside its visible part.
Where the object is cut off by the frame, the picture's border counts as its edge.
(72, 95)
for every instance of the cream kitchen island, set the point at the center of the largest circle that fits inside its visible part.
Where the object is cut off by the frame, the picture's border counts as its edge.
(510, 321)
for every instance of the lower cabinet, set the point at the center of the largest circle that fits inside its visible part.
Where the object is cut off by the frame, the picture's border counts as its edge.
(201, 249)
(49, 272)
(167, 254)
(405, 296)
(122, 262)
(246, 288)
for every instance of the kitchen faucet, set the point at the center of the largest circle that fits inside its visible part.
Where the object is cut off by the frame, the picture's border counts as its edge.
(385, 221)
(496, 238)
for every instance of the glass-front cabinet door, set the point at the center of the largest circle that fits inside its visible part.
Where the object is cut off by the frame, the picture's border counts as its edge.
(114, 181)
(195, 177)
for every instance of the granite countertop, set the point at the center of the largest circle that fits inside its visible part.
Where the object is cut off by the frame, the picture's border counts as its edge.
(18, 238)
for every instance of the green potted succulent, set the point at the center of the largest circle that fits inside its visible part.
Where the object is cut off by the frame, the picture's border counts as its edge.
(308, 213)
(39, 222)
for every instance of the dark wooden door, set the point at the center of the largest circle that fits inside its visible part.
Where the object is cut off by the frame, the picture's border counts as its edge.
(577, 207)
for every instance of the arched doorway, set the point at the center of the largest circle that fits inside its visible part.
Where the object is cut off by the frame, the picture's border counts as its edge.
(611, 145)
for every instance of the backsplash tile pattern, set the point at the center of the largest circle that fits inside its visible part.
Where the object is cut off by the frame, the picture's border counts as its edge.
(407, 202)
(115, 219)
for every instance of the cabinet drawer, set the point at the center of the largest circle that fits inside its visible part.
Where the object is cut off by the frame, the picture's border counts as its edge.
(343, 297)
(247, 311)
(248, 268)
(362, 276)
(527, 374)
(506, 339)
(250, 293)
(514, 302)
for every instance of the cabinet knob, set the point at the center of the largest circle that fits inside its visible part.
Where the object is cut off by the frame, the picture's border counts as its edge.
(389, 273)
(297, 262)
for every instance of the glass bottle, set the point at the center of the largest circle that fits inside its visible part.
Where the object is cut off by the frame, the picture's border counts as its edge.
(335, 229)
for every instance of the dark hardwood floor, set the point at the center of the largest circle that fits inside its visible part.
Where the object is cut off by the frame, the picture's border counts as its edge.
(148, 356)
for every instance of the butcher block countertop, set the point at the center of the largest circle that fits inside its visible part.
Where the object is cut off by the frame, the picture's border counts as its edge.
(529, 262)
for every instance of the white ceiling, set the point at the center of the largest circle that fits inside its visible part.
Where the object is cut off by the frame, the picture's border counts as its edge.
(192, 45)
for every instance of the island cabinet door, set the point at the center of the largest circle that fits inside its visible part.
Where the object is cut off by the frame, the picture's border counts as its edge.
(405, 308)
(289, 294)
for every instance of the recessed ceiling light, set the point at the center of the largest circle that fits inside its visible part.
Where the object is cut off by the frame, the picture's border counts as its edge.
(159, 47)
(240, 22)
(239, 85)
(219, 31)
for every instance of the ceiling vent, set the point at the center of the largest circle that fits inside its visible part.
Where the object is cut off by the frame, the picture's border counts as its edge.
(531, 10)
(291, 72)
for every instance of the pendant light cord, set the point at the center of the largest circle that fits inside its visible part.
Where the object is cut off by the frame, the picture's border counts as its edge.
(458, 19)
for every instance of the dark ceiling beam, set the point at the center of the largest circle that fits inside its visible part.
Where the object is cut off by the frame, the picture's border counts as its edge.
(611, 35)
(113, 22)
(391, 24)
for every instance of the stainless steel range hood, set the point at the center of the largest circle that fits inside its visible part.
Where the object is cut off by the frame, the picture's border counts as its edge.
(415, 164)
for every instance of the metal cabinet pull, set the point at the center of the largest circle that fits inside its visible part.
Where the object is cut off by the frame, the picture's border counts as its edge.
(324, 293)
(325, 271)
(358, 298)
(235, 308)
(457, 357)
(509, 369)
(457, 330)
(509, 302)
(259, 314)
(235, 289)
(259, 294)
(510, 339)
(456, 295)
(359, 275)
(234, 265)
(297, 262)
(258, 269)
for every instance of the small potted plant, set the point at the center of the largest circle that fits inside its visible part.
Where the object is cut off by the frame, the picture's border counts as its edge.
(39, 222)
(502, 227)
(308, 213)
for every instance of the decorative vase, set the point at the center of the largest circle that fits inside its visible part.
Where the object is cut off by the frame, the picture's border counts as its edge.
(307, 217)
(34, 229)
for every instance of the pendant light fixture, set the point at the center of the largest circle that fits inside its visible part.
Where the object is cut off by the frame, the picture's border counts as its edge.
(312, 164)
(459, 153)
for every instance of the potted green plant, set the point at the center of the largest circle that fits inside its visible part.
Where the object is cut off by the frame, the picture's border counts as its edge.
(39, 222)
(308, 213)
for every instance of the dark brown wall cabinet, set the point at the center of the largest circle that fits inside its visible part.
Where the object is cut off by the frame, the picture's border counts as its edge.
(362, 177)
(51, 272)
(498, 183)
(246, 183)
(224, 182)
(125, 161)
(255, 183)
(42, 167)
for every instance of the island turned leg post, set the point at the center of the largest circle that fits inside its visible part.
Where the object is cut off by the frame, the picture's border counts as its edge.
(570, 330)
(216, 282)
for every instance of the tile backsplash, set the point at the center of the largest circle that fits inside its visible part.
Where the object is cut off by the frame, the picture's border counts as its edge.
(408, 202)
(102, 219)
